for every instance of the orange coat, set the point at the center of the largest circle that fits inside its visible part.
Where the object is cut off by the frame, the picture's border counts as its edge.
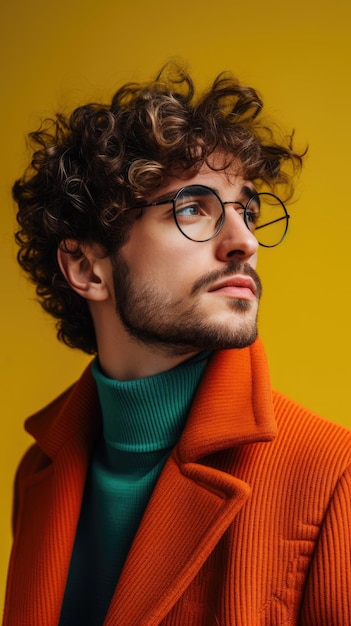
(248, 524)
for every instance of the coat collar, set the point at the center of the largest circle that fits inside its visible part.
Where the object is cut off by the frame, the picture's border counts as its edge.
(72, 418)
(232, 406)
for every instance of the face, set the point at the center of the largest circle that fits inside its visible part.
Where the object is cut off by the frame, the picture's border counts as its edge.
(180, 296)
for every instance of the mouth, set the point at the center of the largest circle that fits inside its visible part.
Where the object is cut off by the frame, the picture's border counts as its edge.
(238, 286)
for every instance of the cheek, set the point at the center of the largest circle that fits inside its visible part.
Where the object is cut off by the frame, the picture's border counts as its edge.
(160, 257)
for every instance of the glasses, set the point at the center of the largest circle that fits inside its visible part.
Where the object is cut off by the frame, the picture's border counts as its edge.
(199, 213)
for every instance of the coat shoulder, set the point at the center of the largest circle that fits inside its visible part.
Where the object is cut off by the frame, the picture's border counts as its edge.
(308, 435)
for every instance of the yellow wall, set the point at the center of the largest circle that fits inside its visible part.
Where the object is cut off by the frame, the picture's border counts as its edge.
(59, 54)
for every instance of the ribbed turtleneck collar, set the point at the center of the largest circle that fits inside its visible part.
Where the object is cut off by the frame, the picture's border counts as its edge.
(148, 414)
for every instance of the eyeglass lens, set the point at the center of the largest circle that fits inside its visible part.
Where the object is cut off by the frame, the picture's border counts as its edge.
(199, 214)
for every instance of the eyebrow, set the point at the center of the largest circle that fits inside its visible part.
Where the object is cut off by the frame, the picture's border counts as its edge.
(245, 191)
(248, 192)
(165, 197)
(251, 193)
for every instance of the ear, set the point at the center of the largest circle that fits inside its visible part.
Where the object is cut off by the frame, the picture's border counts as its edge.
(84, 267)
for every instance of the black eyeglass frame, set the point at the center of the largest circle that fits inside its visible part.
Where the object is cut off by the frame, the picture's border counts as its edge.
(245, 208)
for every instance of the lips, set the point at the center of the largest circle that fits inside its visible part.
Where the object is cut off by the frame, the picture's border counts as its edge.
(237, 286)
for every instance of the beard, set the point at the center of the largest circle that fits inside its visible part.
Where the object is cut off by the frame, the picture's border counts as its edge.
(154, 317)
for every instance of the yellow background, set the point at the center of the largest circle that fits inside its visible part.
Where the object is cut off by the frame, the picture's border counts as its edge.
(56, 55)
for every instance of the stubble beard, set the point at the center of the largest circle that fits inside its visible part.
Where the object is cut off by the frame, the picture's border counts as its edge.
(152, 317)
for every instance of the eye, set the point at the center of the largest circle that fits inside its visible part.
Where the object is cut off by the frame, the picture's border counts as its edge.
(196, 204)
(252, 212)
(191, 209)
(252, 216)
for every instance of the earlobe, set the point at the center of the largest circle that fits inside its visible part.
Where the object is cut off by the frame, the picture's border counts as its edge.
(83, 270)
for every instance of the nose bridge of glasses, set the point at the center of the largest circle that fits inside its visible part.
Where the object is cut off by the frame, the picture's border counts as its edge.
(238, 207)
(236, 204)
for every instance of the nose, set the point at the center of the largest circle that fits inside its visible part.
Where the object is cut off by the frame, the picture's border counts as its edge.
(235, 240)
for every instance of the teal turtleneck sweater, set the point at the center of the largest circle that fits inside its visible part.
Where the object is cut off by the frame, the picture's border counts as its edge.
(142, 422)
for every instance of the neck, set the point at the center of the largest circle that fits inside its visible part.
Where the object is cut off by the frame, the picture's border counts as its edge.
(123, 358)
(140, 362)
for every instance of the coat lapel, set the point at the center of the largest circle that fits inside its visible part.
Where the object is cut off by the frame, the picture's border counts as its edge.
(187, 515)
(195, 501)
(50, 500)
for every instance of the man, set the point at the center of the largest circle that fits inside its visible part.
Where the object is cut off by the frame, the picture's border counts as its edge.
(170, 485)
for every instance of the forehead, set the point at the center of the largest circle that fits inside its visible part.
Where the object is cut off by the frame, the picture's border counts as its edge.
(212, 175)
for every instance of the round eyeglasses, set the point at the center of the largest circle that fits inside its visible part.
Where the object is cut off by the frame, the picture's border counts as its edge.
(199, 213)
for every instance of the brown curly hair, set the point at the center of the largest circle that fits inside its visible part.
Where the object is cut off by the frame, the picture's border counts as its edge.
(88, 168)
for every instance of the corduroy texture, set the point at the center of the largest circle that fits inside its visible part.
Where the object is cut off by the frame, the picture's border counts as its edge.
(245, 527)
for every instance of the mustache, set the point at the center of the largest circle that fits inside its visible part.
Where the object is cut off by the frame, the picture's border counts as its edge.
(233, 267)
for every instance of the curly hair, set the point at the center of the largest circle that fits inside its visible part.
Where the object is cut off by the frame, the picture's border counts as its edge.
(86, 169)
